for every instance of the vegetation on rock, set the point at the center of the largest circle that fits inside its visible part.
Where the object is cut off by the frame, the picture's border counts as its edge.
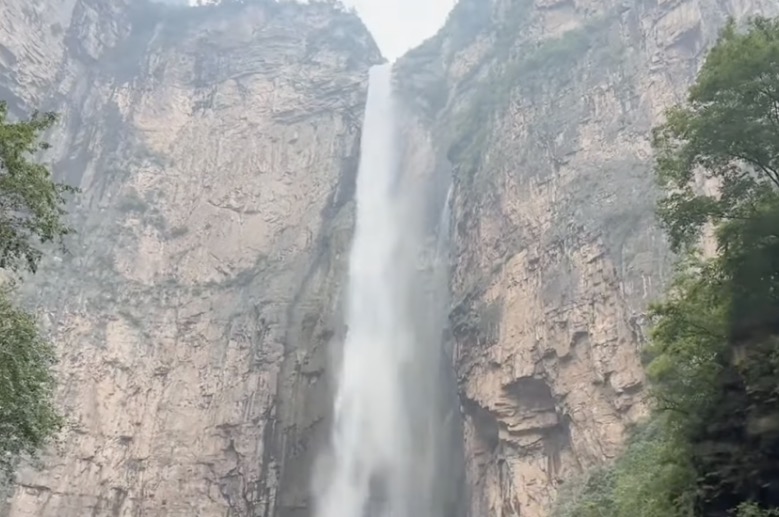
(711, 447)
(28, 417)
(524, 67)
(31, 210)
(31, 204)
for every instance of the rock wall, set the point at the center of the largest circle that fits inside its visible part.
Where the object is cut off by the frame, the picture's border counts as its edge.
(545, 110)
(217, 150)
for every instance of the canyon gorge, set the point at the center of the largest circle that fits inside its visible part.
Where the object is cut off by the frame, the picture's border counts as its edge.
(201, 307)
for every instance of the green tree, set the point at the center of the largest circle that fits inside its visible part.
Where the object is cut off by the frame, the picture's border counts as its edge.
(31, 210)
(28, 416)
(725, 347)
(652, 479)
(728, 132)
(713, 449)
(31, 204)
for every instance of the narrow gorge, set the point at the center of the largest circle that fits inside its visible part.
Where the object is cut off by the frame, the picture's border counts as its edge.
(299, 292)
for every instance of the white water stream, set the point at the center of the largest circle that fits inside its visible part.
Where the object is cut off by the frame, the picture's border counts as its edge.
(386, 440)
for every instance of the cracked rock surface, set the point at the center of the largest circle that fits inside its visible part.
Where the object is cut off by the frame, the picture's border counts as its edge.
(217, 150)
(545, 108)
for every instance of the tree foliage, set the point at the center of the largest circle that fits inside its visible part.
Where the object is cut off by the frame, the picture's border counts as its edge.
(651, 480)
(31, 204)
(27, 413)
(711, 447)
(31, 210)
(727, 132)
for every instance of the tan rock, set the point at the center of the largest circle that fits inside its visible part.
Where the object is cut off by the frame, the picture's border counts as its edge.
(216, 148)
(557, 250)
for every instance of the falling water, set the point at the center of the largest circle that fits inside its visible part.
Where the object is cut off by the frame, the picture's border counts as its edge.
(386, 454)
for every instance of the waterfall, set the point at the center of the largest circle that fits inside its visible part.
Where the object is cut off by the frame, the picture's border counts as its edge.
(386, 457)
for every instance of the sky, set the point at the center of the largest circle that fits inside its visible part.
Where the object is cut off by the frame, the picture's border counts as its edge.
(399, 25)
(396, 25)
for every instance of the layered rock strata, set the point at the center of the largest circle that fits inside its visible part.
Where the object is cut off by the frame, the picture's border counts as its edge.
(217, 149)
(545, 110)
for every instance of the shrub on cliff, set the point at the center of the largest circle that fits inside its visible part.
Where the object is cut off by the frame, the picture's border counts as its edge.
(28, 416)
(31, 209)
(714, 366)
(31, 204)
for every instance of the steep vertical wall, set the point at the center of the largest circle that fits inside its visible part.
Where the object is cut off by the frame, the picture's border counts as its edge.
(544, 108)
(216, 148)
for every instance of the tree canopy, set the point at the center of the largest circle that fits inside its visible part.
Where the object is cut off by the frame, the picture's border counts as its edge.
(28, 416)
(727, 132)
(711, 447)
(31, 215)
(31, 203)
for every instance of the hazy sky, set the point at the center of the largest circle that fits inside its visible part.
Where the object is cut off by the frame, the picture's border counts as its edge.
(399, 25)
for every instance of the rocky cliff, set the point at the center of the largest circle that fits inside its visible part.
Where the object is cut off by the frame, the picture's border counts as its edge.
(544, 108)
(217, 150)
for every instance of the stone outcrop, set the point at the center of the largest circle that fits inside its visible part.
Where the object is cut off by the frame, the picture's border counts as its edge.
(216, 148)
(545, 109)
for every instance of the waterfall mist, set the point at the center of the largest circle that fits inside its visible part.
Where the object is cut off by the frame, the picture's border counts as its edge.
(394, 448)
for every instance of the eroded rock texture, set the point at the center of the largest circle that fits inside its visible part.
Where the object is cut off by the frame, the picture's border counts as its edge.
(545, 109)
(217, 150)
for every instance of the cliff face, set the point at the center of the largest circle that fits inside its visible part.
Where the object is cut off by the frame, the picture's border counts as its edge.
(217, 149)
(545, 110)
